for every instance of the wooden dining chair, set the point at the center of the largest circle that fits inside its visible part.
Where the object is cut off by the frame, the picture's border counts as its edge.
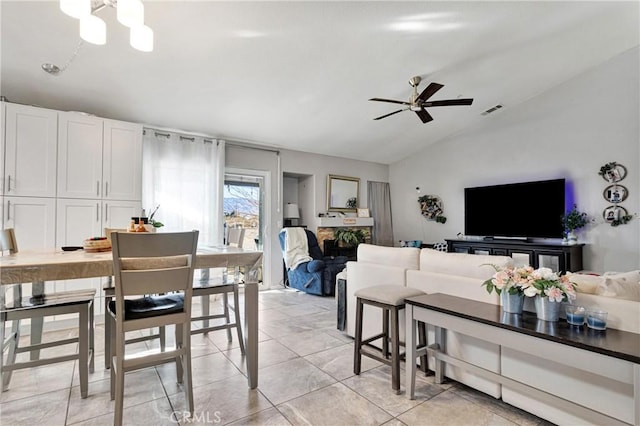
(37, 307)
(109, 293)
(150, 263)
(207, 286)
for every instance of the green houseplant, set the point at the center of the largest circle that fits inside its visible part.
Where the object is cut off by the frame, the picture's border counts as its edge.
(572, 220)
(349, 237)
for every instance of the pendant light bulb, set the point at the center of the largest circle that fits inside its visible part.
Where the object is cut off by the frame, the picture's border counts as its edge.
(130, 13)
(76, 8)
(141, 38)
(93, 30)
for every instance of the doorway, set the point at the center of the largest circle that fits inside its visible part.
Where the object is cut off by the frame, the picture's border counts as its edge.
(245, 205)
(242, 205)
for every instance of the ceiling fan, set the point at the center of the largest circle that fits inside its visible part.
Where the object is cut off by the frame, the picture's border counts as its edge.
(418, 103)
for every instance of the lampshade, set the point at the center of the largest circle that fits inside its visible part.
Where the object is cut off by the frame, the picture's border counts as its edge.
(141, 38)
(76, 8)
(130, 13)
(93, 29)
(291, 211)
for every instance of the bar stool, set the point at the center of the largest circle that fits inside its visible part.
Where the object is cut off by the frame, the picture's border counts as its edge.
(391, 299)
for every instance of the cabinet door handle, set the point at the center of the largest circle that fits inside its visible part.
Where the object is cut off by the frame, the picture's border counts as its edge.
(97, 212)
(98, 188)
(9, 183)
(106, 213)
(106, 189)
(8, 209)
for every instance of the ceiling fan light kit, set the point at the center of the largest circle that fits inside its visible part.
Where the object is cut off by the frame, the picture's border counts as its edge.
(130, 13)
(418, 103)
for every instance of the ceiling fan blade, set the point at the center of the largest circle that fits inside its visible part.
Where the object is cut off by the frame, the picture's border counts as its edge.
(391, 113)
(389, 100)
(424, 116)
(429, 91)
(448, 102)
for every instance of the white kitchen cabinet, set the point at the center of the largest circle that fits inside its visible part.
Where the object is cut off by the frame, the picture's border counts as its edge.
(122, 161)
(33, 220)
(79, 219)
(30, 151)
(79, 156)
(99, 158)
(118, 214)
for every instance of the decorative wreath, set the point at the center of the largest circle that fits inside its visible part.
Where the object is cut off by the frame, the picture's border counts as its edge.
(431, 208)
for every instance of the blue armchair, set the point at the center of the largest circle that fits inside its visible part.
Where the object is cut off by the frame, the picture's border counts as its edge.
(317, 276)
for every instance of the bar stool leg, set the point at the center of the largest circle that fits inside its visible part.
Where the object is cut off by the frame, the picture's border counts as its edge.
(385, 331)
(422, 341)
(358, 337)
(395, 351)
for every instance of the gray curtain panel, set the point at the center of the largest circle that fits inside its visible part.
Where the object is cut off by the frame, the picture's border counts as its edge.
(379, 199)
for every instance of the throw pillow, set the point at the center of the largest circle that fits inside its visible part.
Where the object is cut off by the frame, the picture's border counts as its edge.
(622, 286)
(585, 283)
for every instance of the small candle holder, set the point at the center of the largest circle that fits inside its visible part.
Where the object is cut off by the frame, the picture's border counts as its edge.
(597, 319)
(575, 314)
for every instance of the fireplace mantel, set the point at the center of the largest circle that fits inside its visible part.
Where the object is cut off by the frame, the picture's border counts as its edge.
(340, 222)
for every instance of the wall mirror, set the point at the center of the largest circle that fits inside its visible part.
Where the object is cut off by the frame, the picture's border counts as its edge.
(342, 193)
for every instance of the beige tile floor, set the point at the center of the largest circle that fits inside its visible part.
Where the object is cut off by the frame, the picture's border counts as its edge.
(306, 378)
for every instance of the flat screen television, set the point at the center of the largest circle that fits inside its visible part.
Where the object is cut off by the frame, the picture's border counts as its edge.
(517, 210)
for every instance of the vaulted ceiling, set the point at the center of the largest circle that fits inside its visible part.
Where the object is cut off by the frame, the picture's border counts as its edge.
(298, 75)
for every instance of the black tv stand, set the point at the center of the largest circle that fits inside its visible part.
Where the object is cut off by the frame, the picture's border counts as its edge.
(558, 256)
(523, 239)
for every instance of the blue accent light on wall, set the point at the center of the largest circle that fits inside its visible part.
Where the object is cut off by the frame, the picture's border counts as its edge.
(569, 195)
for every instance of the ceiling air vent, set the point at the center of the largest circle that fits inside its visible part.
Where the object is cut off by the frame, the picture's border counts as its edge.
(492, 109)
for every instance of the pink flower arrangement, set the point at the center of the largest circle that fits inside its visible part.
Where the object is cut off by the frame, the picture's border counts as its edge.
(531, 282)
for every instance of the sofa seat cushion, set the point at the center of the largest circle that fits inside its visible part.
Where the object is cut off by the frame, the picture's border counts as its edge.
(401, 257)
(461, 264)
(393, 295)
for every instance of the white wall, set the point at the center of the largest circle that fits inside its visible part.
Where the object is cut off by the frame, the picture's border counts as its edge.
(312, 190)
(567, 132)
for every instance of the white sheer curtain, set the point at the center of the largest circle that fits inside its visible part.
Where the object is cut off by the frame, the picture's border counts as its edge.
(184, 174)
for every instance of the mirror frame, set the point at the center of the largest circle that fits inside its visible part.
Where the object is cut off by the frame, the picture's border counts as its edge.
(331, 181)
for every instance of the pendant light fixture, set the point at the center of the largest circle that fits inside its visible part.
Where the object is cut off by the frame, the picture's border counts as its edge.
(130, 13)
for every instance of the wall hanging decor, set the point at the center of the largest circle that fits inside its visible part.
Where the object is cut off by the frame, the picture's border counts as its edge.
(615, 214)
(613, 172)
(431, 208)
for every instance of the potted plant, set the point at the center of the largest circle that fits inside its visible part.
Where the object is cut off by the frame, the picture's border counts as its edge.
(349, 237)
(509, 283)
(549, 290)
(573, 220)
(156, 224)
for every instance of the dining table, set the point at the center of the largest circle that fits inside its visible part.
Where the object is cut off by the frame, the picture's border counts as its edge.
(38, 266)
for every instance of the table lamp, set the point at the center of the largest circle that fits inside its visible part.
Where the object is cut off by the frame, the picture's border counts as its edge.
(291, 214)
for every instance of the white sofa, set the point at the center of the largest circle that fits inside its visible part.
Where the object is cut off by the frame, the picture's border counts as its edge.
(462, 275)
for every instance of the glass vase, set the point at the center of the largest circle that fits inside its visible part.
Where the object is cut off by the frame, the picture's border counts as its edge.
(512, 303)
(547, 310)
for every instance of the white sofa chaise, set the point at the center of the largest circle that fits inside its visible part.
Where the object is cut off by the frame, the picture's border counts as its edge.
(462, 275)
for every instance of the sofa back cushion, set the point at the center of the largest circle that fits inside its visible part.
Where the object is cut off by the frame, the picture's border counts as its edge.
(461, 264)
(401, 257)
(585, 283)
(622, 286)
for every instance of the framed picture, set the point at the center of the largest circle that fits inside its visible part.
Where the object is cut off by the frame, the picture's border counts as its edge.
(363, 213)
(614, 172)
(615, 193)
(612, 213)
